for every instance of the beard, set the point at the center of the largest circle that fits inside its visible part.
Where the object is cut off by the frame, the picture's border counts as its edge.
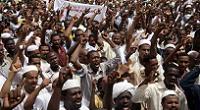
(71, 106)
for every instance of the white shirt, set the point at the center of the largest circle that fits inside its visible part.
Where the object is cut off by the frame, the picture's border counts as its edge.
(41, 102)
(152, 95)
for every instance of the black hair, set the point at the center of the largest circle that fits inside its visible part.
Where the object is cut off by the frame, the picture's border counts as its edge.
(182, 54)
(90, 52)
(44, 45)
(166, 67)
(147, 58)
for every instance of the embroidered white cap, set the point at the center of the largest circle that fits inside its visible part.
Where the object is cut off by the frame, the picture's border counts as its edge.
(144, 41)
(71, 83)
(168, 93)
(32, 48)
(121, 87)
(170, 46)
(6, 35)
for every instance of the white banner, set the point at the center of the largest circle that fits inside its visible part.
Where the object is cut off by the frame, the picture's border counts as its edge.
(78, 8)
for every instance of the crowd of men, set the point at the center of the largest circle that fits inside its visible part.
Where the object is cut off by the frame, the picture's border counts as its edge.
(144, 55)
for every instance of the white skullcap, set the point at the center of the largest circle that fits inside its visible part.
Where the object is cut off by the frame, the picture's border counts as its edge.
(144, 41)
(81, 27)
(6, 35)
(170, 46)
(71, 83)
(121, 87)
(191, 52)
(32, 48)
(24, 70)
(168, 93)
(188, 6)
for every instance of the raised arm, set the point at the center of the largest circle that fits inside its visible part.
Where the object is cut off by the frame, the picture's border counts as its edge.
(56, 96)
(153, 49)
(189, 79)
(28, 105)
(69, 28)
(13, 70)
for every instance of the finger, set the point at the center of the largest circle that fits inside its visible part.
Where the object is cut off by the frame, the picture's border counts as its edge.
(14, 104)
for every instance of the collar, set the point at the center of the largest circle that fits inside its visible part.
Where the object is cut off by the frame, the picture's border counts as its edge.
(161, 85)
(100, 70)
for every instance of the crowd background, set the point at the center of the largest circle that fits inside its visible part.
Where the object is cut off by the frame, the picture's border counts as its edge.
(144, 55)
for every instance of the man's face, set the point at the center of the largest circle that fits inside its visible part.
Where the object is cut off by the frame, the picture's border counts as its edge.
(123, 101)
(31, 79)
(44, 50)
(95, 59)
(117, 39)
(92, 41)
(168, 51)
(153, 64)
(36, 62)
(183, 62)
(74, 96)
(53, 59)
(171, 76)
(56, 40)
(1, 52)
(10, 45)
(144, 50)
(171, 103)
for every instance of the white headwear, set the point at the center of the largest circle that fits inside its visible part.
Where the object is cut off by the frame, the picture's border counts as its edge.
(168, 93)
(170, 46)
(121, 87)
(6, 35)
(144, 41)
(32, 48)
(191, 52)
(81, 27)
(71, 83)
(24, 70)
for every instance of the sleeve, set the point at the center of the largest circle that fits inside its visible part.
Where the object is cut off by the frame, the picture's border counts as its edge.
(183, 104)
(38, 105)
(142, 93)
(190, 78)
(111, 64)
(82, 72)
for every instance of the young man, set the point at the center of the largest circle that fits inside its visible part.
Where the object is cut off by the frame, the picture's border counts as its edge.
(170, 100)
(151, 94)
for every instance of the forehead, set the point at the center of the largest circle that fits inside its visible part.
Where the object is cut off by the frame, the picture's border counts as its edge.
(171, 71)
(125, 93)
(144, 46)
(92, 54)
(31, 74)
(74, 90)
(44, 47)
(56, 37)
(183, 57)
(171, 97)
(10, 41)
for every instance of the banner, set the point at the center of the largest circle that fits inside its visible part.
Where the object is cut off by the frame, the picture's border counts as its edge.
(78, 8)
